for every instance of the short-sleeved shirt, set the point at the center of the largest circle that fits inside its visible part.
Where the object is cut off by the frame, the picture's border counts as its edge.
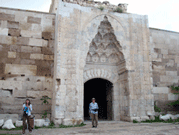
(93, 106)
(28, 112)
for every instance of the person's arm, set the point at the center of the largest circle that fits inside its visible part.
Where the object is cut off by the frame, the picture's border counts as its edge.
(30, 107)
(23, 106)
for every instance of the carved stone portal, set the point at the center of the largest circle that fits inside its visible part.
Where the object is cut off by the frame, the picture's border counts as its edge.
(104, 48)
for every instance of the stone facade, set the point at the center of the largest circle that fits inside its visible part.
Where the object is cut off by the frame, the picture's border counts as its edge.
(54, 54)
(26, 59)
(81, 30)
(165, 66)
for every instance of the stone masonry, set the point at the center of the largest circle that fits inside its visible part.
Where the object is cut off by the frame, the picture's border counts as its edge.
(165, 66)
(54, 54)
(77, 28)
(26, 59)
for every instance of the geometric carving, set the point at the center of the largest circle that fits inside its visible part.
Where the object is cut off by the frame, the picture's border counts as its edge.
(88, 58)
(104, 48)
(95, 57)
(100, 73)
(103, 58)
(113, 58)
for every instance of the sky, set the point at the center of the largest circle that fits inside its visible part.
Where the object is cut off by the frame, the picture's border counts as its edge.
(162, 14)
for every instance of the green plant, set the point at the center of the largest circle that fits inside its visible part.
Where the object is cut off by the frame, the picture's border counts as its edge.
(45, 101)
(44, 115)
(135, 121)
(175, 88)
(157, 109)
(101, 8)
(157, 119)
(119, 10)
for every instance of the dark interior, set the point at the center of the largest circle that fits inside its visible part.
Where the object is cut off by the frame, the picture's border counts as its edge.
(101, 90)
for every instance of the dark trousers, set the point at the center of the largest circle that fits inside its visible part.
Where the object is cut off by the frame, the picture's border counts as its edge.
(24, 122)
(94, 118)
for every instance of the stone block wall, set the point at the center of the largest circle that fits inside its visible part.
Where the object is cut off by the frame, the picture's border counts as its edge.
(165, 65)
(26, 59)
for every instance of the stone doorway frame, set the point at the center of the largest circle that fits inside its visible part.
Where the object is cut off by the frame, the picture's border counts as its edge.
(106, 75)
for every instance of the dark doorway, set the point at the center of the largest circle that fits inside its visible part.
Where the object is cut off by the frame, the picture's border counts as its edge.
(101, 90)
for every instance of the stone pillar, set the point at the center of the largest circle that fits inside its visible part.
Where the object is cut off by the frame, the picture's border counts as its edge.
(116, 101)
(67, 105)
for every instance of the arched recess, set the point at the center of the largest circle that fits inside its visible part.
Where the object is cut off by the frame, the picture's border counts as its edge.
(90, 31)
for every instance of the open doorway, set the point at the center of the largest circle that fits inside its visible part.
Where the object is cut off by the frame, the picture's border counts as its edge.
(101, 90)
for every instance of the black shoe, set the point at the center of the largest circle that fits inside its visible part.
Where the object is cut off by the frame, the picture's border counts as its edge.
(93, 126)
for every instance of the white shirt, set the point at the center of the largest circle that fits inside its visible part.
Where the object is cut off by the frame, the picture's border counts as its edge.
(29, 110)
(93, 106)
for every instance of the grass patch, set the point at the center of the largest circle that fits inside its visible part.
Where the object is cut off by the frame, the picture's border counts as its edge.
(135, 121)
(157, 119)
(17, 128)
(101, 8)
(119, 10)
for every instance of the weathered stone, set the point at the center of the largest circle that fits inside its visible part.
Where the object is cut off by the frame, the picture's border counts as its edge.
(19, 123)
(144, 118)
(5, 93)
(39, 122)
(35, 42)
(8, 40)
(22, 41)
(4, 31)
(14, 32)
(9, 17)
(20, 69)
(171, 96)
(31, 34)
(36, 94)
(11, 54)
(12, 24)
(48, 57)
(8, 125)
(1, 122)
(36, 56)
(46, 124)
(161, 90)
(31, 19)
(48, 35)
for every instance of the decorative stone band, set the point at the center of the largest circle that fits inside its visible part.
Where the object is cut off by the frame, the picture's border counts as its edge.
(100, 73)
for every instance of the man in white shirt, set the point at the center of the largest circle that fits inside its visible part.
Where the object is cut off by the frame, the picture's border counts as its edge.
(93, 109)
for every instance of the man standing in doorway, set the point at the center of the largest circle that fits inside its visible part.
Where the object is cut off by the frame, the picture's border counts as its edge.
(93, 109)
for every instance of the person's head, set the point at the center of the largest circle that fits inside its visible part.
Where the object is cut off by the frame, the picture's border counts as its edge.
(27, 101)
(93, 100)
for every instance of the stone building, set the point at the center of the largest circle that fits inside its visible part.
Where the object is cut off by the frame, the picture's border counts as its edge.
(84, 49)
